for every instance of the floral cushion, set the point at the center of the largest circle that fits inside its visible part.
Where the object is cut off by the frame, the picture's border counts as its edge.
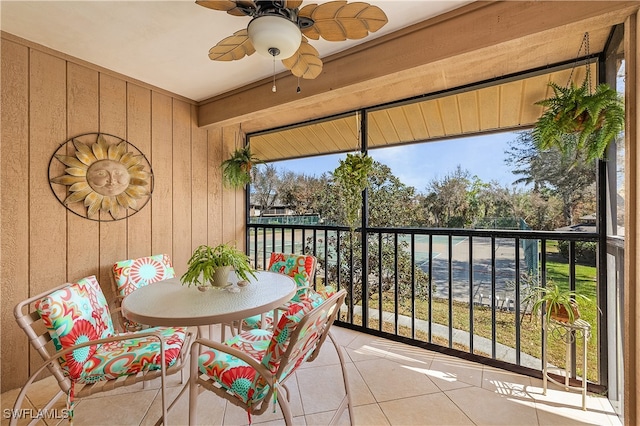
(132, 274)
(238, 377)
(79, 313)
(299, 267)
(75, 314)
(127, 357)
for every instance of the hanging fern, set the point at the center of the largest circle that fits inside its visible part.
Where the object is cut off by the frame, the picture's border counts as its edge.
(353, 177)
(577, 121)
(236, 171)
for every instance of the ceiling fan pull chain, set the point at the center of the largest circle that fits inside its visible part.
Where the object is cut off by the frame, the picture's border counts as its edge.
(298, 89)
(273, 89)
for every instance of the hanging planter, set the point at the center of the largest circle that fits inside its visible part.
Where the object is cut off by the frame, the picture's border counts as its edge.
(578, 121)
(353, 177)
(236, 170)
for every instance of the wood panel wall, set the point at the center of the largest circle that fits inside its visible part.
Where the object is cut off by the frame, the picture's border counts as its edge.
(47, 98)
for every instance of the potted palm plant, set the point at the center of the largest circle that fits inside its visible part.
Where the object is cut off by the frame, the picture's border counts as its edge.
(560, 304)
(236, 170)
(577, 120)
(210, 266)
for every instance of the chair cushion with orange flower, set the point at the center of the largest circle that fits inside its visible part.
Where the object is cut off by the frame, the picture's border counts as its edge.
(253, 366)
(87, 349)
(302, 269)
(131, 274)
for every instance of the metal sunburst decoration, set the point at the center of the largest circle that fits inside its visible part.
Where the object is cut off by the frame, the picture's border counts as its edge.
(106, 177)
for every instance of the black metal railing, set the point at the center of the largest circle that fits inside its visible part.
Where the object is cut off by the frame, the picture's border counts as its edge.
(459, 291)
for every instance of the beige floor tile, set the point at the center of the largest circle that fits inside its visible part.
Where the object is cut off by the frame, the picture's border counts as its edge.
(24, 414)
(360, 393)
(344, 336)
(506, 383)
(389, 380)
(210, 410)
(485, 407)
(120, 409)
(321, 419)
(459, 369)
(369, 415)
(433, 409)
(321, 388)
(327, 356)
(559, 405)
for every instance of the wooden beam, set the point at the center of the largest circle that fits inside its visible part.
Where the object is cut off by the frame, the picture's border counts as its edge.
(434, 53)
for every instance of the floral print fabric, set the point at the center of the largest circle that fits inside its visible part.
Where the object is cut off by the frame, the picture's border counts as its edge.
(299, 267)
(130, 275)
(267, 347)
(79, 313)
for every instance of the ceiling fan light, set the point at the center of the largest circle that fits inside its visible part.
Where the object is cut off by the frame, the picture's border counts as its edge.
(274, 36)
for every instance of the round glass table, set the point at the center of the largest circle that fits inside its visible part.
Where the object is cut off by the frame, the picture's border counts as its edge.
(169, 303)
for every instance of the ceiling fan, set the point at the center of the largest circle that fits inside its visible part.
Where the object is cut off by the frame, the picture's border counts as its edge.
(280, 29)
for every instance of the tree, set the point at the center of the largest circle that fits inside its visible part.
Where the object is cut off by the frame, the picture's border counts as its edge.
(550, 172)
(265, 187)
(446, 203)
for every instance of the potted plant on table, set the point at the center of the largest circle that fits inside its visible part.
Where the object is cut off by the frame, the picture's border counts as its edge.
(561, 305)
(210, 266)
(579, 121)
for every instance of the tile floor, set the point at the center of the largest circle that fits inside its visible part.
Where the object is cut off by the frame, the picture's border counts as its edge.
(391, 384)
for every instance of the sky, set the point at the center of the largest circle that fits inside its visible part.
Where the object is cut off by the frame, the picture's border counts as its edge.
(416, 165)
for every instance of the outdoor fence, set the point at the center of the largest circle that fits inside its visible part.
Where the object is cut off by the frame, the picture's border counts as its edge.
(458, 291)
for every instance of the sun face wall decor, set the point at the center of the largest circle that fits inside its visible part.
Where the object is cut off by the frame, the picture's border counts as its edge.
(100, 177)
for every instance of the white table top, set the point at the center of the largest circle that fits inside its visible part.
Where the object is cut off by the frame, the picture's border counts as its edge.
(169, 303)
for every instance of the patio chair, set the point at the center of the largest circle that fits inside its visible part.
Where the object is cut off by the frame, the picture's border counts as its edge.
(252, 368)
(302, 269)
(129, 275)
(86, 355)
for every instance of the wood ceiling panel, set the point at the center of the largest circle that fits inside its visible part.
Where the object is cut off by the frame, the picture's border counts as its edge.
(535, 89)
(433, 118)
(450, 114)
(386, 127)
(489, 107)
(401, 125)
(468, 112)
(416, 122)
(374, 133)
(508, 105)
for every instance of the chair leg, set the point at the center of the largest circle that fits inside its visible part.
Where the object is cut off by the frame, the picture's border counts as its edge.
(193, 384)
(347, 398)
(286, 410)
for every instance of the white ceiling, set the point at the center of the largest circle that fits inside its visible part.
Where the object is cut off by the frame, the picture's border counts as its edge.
(165, 43)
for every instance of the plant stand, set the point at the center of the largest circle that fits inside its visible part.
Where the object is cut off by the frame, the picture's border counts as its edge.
(568, 333)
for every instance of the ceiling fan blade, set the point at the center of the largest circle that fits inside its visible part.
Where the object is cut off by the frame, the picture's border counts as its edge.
(339, 20)
(292, 4)
(232, 48)
(306, 62)
(235, 8)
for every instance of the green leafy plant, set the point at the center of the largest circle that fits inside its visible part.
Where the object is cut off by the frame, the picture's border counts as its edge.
(353, 177)
(578, 120)
(561, 305)
(206, 260)
(236, 170)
